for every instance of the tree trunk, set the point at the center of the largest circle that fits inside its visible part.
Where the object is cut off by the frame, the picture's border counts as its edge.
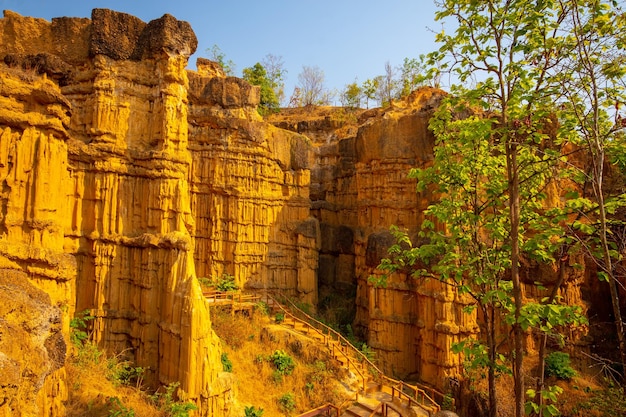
(608, 264)
(544, 338)
(491, 342)
(514, 215)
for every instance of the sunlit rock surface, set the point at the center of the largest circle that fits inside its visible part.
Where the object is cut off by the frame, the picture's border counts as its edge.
(121, 178)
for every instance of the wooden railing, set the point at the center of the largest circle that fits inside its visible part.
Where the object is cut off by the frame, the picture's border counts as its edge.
(326, 410)
(235, 296)
(410, 393)
(338, 346)
(328, 339)
(229, 298)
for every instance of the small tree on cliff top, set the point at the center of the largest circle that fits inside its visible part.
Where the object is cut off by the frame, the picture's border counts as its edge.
(311, 87)
(218, 56)
(276, 73)
(256, 75)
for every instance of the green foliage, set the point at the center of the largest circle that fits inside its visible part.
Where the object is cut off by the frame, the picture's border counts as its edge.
(351, 96)
(262, 308)
(304, 307)
(548, 408)
(257, 75)
(369, 89)
(319, 372)
(124, 372)
(167, 402)
(448, 402)
(605, 402)
(226, 283)
(88, 353)
(117, 409)
(205, 282)
(477, 358)
(274, 67)
(287, 402)
(368, 352)
(558, 365)
(279, 317)
(548, 316)
(309, 387)
(78, 328)
(413, 75)
(227, 365)
(181, 409)
(283, 363)
(251, 411)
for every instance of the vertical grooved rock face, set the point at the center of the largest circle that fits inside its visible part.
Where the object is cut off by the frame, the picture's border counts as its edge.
(99, 180)
(359, 188)
(250, 192)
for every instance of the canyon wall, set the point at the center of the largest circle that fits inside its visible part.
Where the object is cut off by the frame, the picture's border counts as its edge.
(250, 190)
(123, 174)
(359, 188)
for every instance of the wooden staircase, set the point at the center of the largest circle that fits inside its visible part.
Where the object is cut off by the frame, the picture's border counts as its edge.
(377, 395)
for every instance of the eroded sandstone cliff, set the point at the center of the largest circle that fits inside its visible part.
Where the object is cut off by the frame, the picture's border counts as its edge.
(359, 189)
(123, 174)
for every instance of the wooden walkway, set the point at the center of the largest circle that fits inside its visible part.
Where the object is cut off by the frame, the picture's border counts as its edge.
(378, 394)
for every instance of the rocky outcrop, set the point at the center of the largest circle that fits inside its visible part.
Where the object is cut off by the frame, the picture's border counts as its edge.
(32, 350)
(123, 173)
(125, 177)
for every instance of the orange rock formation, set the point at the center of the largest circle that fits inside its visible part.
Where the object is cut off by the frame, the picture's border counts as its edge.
(124, 174)
(359, 189)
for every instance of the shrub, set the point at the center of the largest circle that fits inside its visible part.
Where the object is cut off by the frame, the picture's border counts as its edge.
(280, 317)
(287, 402)
(558, 365)
(227, 365)
(253, 412)
(204, 282)
(283, 363)
(124, 373)
(118, 409)
(78, 328)
(262, 308)
(166, 402)
(368, 352)
(226, 283)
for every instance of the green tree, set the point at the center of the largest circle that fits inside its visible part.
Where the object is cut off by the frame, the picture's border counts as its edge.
(257, 75)
(509, 50)
(467, 230)
(412, 75)
(509, 45)
(369, 88)
(592, 81)
(352, 95)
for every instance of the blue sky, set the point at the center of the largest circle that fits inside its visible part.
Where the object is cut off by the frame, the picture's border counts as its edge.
(347, 39)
